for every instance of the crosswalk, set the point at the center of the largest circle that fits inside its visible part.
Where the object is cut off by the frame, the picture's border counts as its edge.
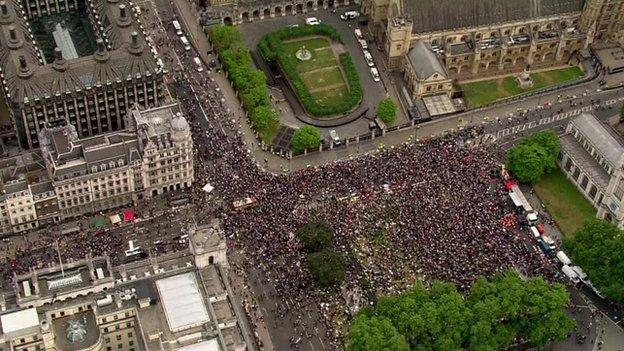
(548, 120)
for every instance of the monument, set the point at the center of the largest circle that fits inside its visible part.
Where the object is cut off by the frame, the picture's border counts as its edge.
(524, 80)
(303, 54)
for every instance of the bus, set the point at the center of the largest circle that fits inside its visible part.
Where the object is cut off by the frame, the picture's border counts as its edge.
(178, 28)
(185, 42)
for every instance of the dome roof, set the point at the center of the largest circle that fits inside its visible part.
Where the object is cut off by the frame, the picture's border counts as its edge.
(179, 123)
(76, 331)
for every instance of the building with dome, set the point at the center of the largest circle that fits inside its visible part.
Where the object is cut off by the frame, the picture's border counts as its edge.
(152, 156)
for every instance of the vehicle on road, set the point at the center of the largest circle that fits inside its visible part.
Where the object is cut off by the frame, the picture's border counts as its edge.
(178, 28)
(375, 74)
(358, 33)
(349, 15)
(563, 258)
(334, 137)
(199, 64)
(185, 42)
(369, 58)
(363, 44)
(312, 21)
(570, 273)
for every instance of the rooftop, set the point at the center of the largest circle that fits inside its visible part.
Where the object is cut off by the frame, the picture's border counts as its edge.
(434, 15)
(424, 61)
(182, 301)
(585, 161)
(600, 137)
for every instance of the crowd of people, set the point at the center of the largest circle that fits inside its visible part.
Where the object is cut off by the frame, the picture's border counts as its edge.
(438, 205)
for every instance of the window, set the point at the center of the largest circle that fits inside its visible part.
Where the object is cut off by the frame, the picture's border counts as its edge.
(619, 190)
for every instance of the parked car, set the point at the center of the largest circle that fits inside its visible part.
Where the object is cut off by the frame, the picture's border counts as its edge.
(369, 58)
(358, 33)
(375, 74)
(349, 15)
(334, 137)
(363, 44)
(312, 21)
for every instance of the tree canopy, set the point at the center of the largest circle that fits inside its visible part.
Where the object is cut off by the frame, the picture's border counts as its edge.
(305, 137)
(534, 156)
(250, 83)
(598, 247)
(386, 110)
(494, 315)
(315, 236)
(328, 268)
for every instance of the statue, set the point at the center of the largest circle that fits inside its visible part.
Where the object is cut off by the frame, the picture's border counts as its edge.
(303, 54)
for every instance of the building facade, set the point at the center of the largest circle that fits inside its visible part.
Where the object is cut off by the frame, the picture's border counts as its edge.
(98, 173)
(93, 93)
(592, 158)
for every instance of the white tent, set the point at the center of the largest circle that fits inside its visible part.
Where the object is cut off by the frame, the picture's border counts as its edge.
(115, 219)
(182, 301)
(208, 188)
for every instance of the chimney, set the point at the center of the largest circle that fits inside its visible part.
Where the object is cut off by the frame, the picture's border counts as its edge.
(123, 20)
(14, 41)
(24, 71)
(5, 16)
(59, 63)
(135, 46)
(102, 54)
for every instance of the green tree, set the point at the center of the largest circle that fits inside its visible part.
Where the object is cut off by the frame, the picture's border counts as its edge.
(328, 268)
(315, 236)
(598, 247)
(527, 162)
(491, 317)
(222, 37)
(305, 137)
(549, 141)
(374, 333)
(386, 110)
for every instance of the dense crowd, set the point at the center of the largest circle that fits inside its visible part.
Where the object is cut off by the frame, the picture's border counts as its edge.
(438, 204)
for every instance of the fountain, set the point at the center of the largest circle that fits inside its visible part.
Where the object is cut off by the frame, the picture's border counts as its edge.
(303, 54)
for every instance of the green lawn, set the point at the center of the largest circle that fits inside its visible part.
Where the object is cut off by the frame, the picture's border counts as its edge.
(484, 92)
(322, 74)
(564, 202)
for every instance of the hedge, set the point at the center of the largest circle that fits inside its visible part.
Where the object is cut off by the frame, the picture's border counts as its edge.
(272, 51)
(250, 83)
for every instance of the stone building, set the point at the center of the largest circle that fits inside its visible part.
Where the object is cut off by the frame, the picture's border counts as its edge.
(92, 93)
(240, 11)
(424, 74)
(592, 158)
(162, 303)
(98, 173)
(476, 38)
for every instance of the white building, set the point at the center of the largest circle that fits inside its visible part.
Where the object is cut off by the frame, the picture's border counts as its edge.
(592, 157)
(154, 155)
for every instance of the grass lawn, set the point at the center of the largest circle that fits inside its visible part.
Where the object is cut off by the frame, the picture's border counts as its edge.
(484, 92)
(564, 202)
(322, 74)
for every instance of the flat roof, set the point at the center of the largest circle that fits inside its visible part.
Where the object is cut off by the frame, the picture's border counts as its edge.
(20, 320)
(439, 105)
(208, 345)
(182, 301)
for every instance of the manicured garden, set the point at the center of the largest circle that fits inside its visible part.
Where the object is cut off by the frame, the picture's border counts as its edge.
(328, 83)
(487, 91)
(564, 202)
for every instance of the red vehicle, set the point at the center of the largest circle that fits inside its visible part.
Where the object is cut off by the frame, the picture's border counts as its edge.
(540, 228)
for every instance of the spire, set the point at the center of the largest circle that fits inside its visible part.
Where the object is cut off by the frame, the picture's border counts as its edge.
(102, 54)
(15, 42)
(59, 62)
(135, 47)
(124, 19)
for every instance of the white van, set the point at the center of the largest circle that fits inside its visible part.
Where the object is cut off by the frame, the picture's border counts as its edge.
(563, 258)
(369, 58)
(535, 232)
(570, 273)
(199, 64)
(312, 21)
(178, 28)
(580, 273)
(375, 74)
(349, 15)
(363, 44)
(358, 33)
(185, 42)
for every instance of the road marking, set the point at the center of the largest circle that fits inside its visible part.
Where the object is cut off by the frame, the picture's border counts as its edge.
(532, 125)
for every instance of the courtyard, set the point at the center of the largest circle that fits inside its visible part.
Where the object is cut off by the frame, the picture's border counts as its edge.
(569, 209)
(321, 74)
(372, 92)
(481, 93)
